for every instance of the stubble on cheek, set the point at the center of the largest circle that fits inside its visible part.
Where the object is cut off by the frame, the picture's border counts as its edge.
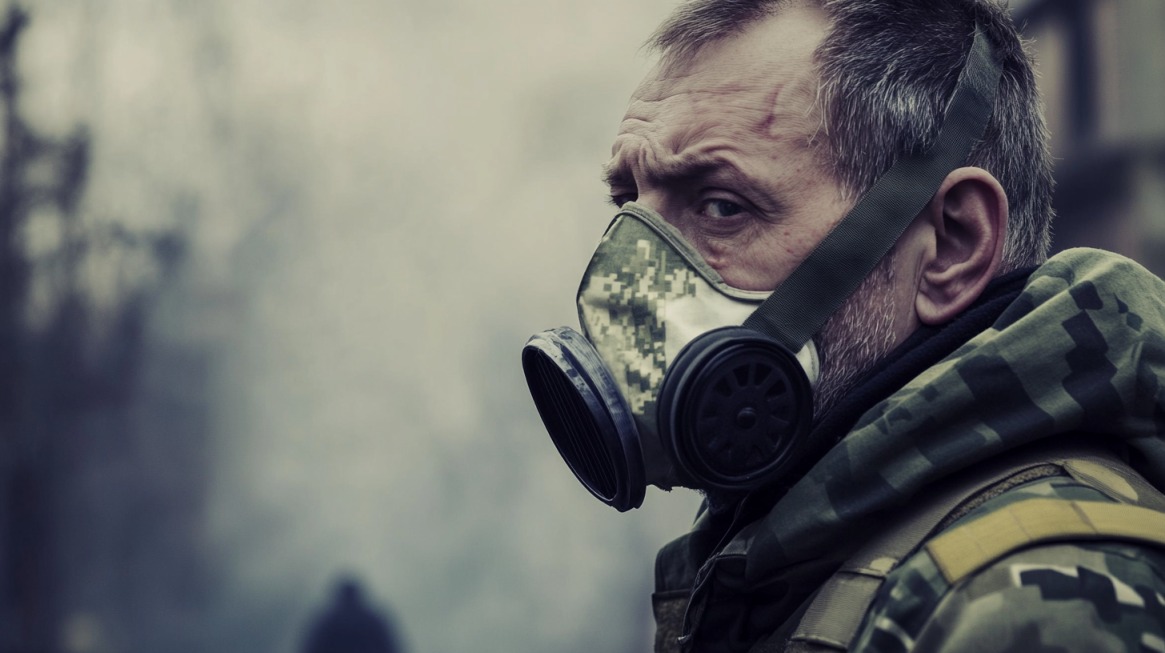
(855, 338)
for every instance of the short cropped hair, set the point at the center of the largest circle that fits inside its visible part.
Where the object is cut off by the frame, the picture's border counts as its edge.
(887, 71)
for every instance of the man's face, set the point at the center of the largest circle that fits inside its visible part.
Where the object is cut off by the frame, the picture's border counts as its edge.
(721, 147)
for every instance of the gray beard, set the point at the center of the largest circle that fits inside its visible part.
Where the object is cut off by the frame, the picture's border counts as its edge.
(856, 337)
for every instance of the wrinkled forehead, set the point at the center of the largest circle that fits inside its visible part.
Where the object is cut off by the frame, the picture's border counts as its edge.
(712, 79)
(766, 72)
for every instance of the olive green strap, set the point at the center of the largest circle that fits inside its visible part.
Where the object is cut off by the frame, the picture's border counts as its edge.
(823, 281)
(1115, 479)
(966, 549)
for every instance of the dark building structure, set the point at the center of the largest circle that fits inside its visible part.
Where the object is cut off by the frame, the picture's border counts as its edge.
(1102, 67)
(103, 437)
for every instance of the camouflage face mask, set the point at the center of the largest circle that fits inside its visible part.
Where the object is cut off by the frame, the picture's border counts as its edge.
(665, 386)
(646, 294)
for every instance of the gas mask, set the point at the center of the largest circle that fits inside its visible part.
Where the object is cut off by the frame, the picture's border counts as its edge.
(677, 378)
(655, 315)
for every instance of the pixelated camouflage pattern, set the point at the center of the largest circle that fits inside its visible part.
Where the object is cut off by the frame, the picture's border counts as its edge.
(1080, 350)
(646, 294)
(1106, 597)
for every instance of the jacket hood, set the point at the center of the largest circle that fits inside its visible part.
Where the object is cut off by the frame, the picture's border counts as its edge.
(1081, 350)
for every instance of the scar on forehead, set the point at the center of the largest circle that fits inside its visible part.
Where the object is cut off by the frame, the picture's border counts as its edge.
(794, 106)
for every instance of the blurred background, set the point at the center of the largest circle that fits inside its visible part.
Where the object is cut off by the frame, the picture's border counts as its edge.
(265, 270)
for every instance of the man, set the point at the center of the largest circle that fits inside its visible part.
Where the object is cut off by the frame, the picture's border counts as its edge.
(923, 451)
(350, 625)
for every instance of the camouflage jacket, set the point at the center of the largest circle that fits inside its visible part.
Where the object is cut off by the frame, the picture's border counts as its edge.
(1075, 349)
(1076, 596)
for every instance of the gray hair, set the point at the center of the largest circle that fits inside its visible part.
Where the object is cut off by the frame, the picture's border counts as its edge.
(887, 70)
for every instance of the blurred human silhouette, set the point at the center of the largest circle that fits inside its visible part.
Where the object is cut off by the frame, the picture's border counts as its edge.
(349, 625)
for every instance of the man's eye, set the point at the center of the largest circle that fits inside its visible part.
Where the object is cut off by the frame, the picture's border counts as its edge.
(721, 209)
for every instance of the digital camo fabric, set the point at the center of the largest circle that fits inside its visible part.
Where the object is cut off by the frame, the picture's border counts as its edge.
(645, 295)
(1080, 350)
(1065, 597)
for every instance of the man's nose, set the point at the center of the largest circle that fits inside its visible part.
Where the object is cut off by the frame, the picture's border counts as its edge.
(654, 200)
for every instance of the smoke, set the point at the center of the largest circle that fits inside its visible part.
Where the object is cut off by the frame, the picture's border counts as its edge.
(383, 200)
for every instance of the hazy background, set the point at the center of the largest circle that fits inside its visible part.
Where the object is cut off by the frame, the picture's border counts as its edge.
(380, 201)
(285, 296)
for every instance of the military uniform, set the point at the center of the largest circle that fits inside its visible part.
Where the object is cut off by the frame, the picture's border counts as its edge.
(1069, 355)
(1079, 596)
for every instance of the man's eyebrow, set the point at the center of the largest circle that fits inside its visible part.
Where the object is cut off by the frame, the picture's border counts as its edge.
(679, 170)
(614, 174)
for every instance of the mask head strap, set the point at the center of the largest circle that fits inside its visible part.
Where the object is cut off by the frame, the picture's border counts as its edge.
(820, 285)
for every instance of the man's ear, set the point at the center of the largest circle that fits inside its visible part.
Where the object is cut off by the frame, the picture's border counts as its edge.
(968, 216)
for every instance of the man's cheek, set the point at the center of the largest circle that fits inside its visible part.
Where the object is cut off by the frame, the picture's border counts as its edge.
(762, 263)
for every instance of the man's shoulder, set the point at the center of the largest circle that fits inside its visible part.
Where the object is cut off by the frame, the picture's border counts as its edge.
(1056, 597)
(1069, 596)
